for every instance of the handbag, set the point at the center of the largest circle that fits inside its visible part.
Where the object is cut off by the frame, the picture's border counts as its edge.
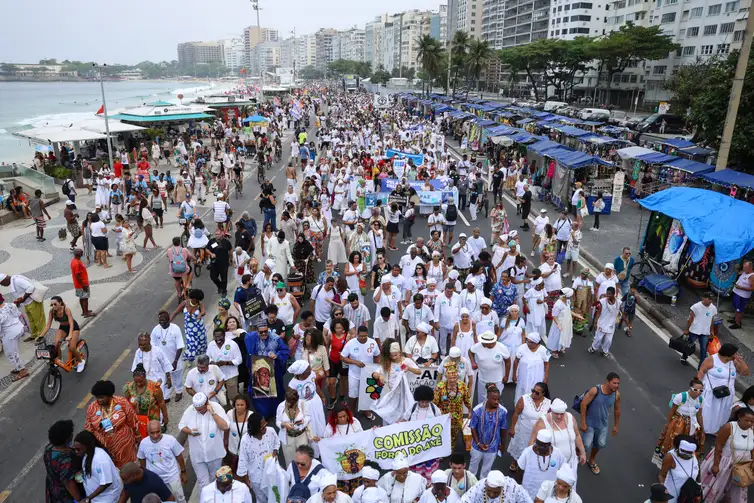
(713, 346)
(682, 345)
(38, 295)
(721, 391)
(584, 211)
(743, 474)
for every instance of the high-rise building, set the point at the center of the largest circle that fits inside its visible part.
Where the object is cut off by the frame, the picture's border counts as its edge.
(452, 18)
(493, 19)
(195, 53)
(265, 57)
(468, 17)
(288, 52)
(234, 53)
(414, 25)
(374, 35)
(438, 24)
(306, 51)
(526, 21)
(253, 35)
(324, 42)
(349, 45)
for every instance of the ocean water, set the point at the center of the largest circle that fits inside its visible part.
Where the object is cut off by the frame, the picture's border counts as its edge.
(25, 105)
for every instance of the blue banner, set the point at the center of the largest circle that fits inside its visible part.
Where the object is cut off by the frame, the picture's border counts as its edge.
(433, 198)
(389, 184)
(417, 158)
(370, 200)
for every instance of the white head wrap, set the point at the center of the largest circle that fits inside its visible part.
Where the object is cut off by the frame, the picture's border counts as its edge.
(534, 337)
(423, 327)
(269, 264)
(298, 367)
(687, 446)
(565, 473)
(495, 479)
(558, 406)
(400, 462)
(544, 436)
(328, 480)
(199, 399)
(395, 347)
(568, 292)
(370, 473)
(371, 495)
(439, 477)
(454, 352)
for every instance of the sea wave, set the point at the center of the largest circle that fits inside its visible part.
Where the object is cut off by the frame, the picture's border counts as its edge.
(3, 131)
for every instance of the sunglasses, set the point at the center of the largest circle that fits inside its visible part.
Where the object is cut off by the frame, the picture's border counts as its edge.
(536, 392)
(300, 464)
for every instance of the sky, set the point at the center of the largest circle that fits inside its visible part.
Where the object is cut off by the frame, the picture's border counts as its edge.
(137, 30)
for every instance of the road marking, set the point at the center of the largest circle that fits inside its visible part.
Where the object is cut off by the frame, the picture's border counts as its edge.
(83, 403)
(4, 495)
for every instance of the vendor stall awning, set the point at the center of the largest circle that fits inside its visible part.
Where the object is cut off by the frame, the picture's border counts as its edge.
(542, 146)
(633, 152)
(524, 121)
(162, 118)
(523, 137)
(678, 143)
(484, 122)
(655, 158)
(574, 159)
(55, 134)
(591, 123)
(689, 166)
(708, 218)
(696, 151)
(728, 177)
(573, 131)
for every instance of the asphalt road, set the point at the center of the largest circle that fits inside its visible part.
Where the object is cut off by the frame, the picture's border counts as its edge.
(650, 372)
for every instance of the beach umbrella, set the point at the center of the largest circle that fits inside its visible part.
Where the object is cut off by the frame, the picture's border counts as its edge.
(256, 119)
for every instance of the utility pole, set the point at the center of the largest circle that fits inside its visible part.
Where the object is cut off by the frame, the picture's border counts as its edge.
(450, 51)
(255, 5)
(104, 111)
(295, 55)
(735, 95)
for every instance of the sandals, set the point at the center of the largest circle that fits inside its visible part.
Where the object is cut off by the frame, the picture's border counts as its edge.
(513, 467)
(18, 375)
(593, 466)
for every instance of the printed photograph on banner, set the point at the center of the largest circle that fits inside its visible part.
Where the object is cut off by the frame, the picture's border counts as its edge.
(370, 389)
(263, 380)
(346, 455)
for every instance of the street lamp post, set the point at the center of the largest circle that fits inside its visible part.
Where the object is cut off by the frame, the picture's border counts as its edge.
(450, 50)
(255, 5)
(104, 111)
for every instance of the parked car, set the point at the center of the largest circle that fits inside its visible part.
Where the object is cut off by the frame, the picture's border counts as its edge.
(595, 114)
(632, 122)
(616, 116)
(674, 124)
(551, 106)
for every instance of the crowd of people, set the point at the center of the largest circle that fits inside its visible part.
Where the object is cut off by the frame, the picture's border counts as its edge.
(276, 382)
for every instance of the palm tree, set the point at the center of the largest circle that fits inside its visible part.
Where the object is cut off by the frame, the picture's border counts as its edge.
(460, 45)
(428, 56)
(479, 53)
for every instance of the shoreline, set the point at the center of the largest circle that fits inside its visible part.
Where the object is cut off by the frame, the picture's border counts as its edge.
(69, 80)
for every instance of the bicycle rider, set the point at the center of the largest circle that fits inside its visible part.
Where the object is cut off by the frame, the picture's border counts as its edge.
(68, 329)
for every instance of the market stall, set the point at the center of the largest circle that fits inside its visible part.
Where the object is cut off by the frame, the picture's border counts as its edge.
(646, 170)
(737, 185)
(704, 232)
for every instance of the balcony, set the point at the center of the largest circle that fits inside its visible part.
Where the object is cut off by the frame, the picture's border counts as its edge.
(523, 29)
(540, 14)
(523, 39)
(541, 4)
(525, 8)
(510, 23)
(524, 19)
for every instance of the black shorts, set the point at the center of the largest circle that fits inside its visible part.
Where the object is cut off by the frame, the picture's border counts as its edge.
(392, 227)
(158, 212)
(100, 243)
(336, 369)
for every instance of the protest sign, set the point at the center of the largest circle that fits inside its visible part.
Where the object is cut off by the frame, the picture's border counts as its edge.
(370, 200)
(417, 158)
(370, 390)
(419, 441)
(427, 198)
(399, 167)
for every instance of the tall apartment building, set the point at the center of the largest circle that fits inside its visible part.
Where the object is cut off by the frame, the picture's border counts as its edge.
(287, 52)
(374, 40)
(324, 40)
(438, 24)
(493, 20)
(525, 21)
(234, 53)
(351, 44)
(306, 51)
(193, 53)
(253, 35)
(452, 19)
(469, 14)
(414, 25)
(265, 57)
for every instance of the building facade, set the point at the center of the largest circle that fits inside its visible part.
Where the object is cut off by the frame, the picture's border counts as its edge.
(469, 16)
(253, 35)
(234, 53)
(493, 21)
(438, 24)
(324, 47)
(196, 53)
(265, 57)
(525, 21)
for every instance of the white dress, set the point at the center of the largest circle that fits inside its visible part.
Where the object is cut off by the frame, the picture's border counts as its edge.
(337, 249)
(676, 477)
(525, 424)
(102, 195)
(716, 411)
(307, 391)
(535, 320)
(353, 280)
(396, 397)
(564, 440)
(558, 339)
(197, 243)
(464, 340)
(531, 368)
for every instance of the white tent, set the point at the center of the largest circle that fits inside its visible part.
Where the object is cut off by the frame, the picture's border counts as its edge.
(56, 134)
(98, 126)
(633, 152)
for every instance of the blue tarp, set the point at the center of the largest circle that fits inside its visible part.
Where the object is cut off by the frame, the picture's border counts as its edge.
(506, 115)
(524, 121)
(591, 123)
(728, 177)
(689, 166)
(572, 159)
(522, 137)
(541, 146)
(256, 118)
(542, 115)
(655, 158)
(501, 129)
(708, 218)
(696, 151)
(484, 122)
(574, 131)
(678, 143)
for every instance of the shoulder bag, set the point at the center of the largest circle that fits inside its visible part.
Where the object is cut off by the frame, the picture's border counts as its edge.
(721, 391)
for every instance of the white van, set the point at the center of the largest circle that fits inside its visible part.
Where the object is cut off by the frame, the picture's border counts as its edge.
(551, 106)
(595, 114)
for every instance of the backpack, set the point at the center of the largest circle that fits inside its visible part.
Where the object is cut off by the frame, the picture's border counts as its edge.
(580, 398)
(178, 262)
(684, 398)
(66, 189)
(451, 214)
(300, 492)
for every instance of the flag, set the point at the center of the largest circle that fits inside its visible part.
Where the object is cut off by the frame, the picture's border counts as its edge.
(243, 70)
(101, 110)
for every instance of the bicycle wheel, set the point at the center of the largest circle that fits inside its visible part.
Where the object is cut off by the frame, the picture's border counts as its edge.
(84, 351)
(51, 386)
(198, 269)
(260, 174)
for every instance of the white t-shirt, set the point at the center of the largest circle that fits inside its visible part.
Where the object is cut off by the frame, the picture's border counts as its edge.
(553, 281)
(103, 472)
(702, 318)
(436, 222)
(462, 258)
(604, 283)
(161, 456)
(98, 229)
(364, 353)
(490, 361)
(322, 308)
(229, 352)
(608, 315)
(385, 329)
(389, 300)
(393, 216)
(169, 340)
(205, 383)
(562, 229)
(539, 223)
(155, 363)
(417, 350)
(520, 188)
(416, 316)
(188, 208)
(219, 209)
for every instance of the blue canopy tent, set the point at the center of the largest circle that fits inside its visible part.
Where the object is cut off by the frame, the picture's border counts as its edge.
(574, 131)
(591, 123)
(524, 121)
(708, 218)
(655, 158)
(689, 166)
(255, 119)
(484, 122)
(729, 177)
(695, 150)
(678, 143)
(542, 146)
(523, 137)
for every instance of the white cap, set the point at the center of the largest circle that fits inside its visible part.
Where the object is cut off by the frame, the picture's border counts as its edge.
(486, 302)
(513, 307)
(431, 281)
(462, 235)
(534, 337)
(400, 462)
(558, 406)
(465, 311)
(328, 480)
(69, 203)
(199, 399)
(423, 327)
(687, 446)
(543, 210)
(470, 280)
(565, 474)
(439, 477)
(488, 337)
(298, 367)
(454, 352)
(610, 265)
(385, 280)
(453, 274)
(495, 479)
(544, 436)
(370, 473)
(568, 292)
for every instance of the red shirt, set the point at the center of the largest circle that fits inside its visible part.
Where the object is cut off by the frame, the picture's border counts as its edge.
(118, 168)
(80, 276)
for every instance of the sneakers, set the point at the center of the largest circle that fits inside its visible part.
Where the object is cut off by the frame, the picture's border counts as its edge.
(591, 349)
(81, 366)
(734, 326)
(532, 253)
(605, 354)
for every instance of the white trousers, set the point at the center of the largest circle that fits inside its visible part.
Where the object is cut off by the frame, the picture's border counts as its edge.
(259, 493)
(481, 389)
(177, 377)
(473, 211)
(602, 340)
(205, 471)
(10, 346)
(486, 458)
(201, 193)
(177, 489)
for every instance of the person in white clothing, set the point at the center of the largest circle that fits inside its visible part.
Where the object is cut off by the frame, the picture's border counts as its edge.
(204, 423)
(496, 488)
(416, 313)
(486, 320)
(439, 492)
(531, 460)
(204, 378)
(534, 300)
(701, 325)
(539, 227)
(224, 489)
(259, 443)
(155, 363)
(471, 297)
(388, 296)
(563, 488)
(220, 210)
(330, 492)
(225, 353)
(167, 337)
(400, 484)
(447, 313)
(742, 293)
(493, 360)
(163, 455)
(605, 280)
(422, 348)
(102, 483)
(368, 491)
(604, 321)
(357, 353)
(679, 465)
(476, 243)
(385, 325)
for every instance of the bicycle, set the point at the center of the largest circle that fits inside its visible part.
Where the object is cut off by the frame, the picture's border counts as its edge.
(260, 172)
(278, 154)
(238, 187)
(52, 383)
